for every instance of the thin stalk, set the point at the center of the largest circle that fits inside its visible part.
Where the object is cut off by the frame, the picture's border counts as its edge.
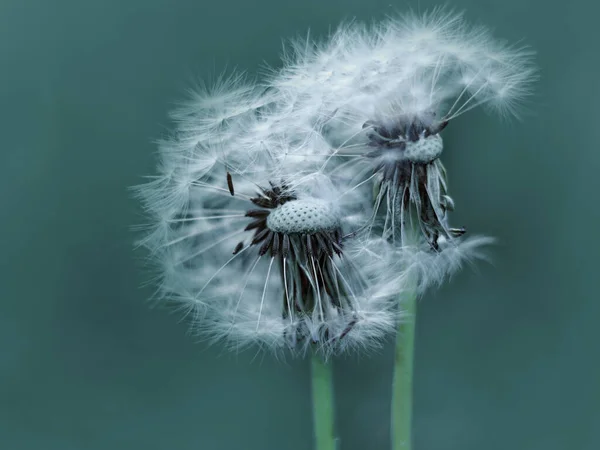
(323, 409)
(402, 391)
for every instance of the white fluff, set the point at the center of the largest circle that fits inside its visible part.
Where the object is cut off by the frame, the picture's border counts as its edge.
(341, 148)
(430, 67)
(240, 298)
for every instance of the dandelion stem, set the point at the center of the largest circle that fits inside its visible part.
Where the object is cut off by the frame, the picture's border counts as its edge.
(403, 375)
(323, 411)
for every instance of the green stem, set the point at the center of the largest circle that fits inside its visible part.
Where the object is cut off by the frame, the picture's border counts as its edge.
(401, 426)
(323, 412)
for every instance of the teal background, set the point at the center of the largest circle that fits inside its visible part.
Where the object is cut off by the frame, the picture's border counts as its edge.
(506, 357)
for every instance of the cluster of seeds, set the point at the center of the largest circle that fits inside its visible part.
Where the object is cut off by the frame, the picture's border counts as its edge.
(294, 217)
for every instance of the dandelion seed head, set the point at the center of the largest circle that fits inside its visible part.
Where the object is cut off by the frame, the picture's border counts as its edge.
(302, 216)
(411, 65)
(257, 259)
(293, 215)
(424, 150)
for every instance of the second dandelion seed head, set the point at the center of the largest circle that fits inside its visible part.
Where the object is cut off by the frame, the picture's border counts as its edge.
(396, 146)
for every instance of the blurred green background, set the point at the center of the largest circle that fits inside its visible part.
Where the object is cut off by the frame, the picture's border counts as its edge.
(506, 358)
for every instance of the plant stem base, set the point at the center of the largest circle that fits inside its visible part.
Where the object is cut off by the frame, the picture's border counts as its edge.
(323, 408)
(402, 394)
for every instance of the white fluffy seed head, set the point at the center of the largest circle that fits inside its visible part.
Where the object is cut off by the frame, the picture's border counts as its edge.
(308, 132)
(210, 267)
(411, 65)
(303, 216)
(424, 150)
